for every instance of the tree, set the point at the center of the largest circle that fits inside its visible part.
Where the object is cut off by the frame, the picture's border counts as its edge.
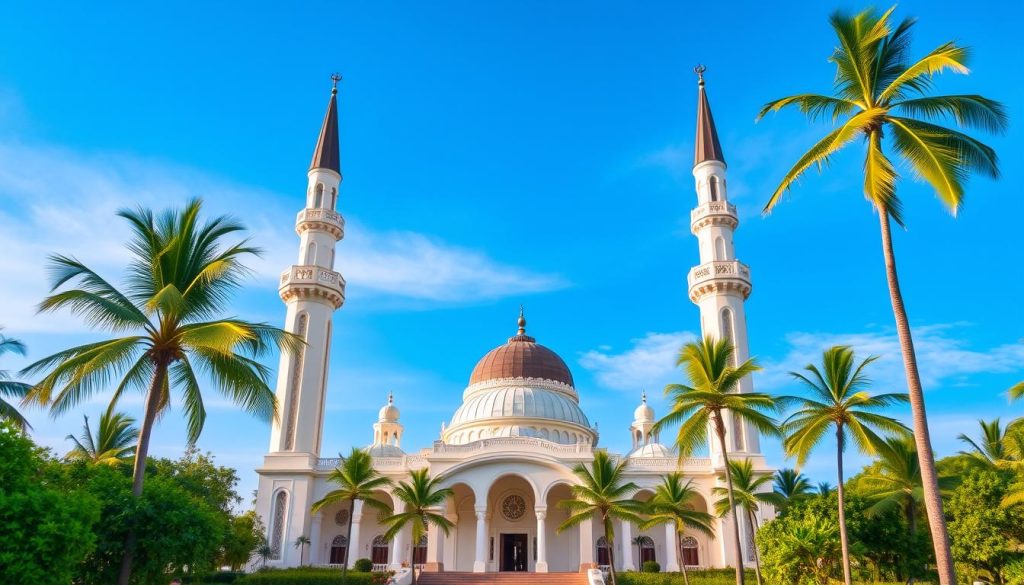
(880, 92)
(357, 481)
(714, 381)
(264, 552)
(9, 388)
(747, 495)
(46, 525)
(673, 503)
(824, 488)
(244, 536)
(602, 491)
(838, 400)
(808, 553)
(984, 532)
(1017, 391)
(998, 447)
(791, 485)
(421, 497)
(178, 282)
(113, 443)
(301, 543)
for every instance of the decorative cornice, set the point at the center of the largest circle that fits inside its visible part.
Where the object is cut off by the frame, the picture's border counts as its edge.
(719, 277)
(312, 282)
(324, 220)
(540, 383)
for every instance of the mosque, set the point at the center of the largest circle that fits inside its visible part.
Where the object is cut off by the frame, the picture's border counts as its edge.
(509, 449)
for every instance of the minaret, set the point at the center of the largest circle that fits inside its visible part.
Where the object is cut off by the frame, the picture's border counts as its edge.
(643, 423)
(312, 291)
(720, 284)
(387, 431)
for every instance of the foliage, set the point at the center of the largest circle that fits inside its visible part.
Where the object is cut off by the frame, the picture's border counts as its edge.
(362, 566)
(650, 567)
(791, 486)
(113, 443)
(672, 502)
(985, 535)
(808, 554)
(9, 388)
(46, 525)
(200, 476)
(421, 496)
(696, 577)
(244, 536)
(307, 576)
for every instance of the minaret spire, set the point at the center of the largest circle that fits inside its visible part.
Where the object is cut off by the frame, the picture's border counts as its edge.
(707, 146)
(327, 154)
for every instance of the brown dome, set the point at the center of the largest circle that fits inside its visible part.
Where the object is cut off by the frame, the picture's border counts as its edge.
(521, 357)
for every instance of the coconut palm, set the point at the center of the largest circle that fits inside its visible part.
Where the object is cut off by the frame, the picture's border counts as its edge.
(357, 481)
(997, 447)
(9, 388)
(824, 488)
(791, 485)
(421, 496)
(1017, 391)
(879, 92)
(809, 550)
(114, 443)
(748, 492)
(264, 552)
(301, 543)
(713, 390)
(673, 503)
(167, 324)
(602, 492)
(839, 401)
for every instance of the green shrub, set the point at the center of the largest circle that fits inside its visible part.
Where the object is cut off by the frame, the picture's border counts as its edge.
(308, 576)
(222, 577)
(363, 566)
(697, 577)
(650, 567)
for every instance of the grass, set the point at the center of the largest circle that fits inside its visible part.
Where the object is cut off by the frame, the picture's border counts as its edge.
(308, 576)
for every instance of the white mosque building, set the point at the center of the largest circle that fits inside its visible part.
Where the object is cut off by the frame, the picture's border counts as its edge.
(509, 449)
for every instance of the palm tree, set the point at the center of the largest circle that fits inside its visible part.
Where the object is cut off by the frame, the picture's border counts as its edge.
(10, 388)
(839, 401)
(810, 550)
(672, 502)
(264, 552)
(357, 481)
(748, 494)
(824, 488)
(114, 443)
(178, 282)
(300, 543)
(601, 491)
(696, 408)
(880, 92)
(997, 447)
(791, 485)
(421, 496)
(1017, 391)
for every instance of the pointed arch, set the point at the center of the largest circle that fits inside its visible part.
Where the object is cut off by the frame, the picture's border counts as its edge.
(318, 195)
(277, 524)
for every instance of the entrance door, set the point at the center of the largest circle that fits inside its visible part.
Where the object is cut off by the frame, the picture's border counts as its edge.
(513, 552)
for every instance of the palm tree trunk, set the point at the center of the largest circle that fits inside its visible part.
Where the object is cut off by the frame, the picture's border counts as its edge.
(720, 431)
(912, 521)
(929, 477)
(139, 470)
(757, 555)
(348, 540)
(682, 559)
(841, 491)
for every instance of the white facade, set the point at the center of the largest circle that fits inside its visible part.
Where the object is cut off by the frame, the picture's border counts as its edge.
(509, 450)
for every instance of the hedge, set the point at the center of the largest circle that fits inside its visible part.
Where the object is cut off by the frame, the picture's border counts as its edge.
(308, 576)
(706, 577)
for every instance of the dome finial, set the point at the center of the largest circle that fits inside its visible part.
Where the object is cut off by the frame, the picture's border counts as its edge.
(391, 397)
(643, 396)
(699, 70)
(522, 322)
(336, 77)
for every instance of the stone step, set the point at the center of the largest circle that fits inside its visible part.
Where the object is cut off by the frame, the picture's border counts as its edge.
(502, 578)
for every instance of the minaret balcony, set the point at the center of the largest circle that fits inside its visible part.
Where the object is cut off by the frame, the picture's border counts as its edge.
(713, 213)
(318, 218)
(719, 277)
(312, 282)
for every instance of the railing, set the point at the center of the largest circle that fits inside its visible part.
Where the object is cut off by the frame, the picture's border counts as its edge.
(511, 443)
(671, 462)
(407, 461)
(730, 269)
(712, 208)
(309, 274)
(379, 567)
(316, 214)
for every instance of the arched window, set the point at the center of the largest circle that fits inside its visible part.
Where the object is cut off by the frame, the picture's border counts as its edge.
(720, 248)
(277, 526)
(690, 557)
(419, 552)
(296, 382)
(331, 263)
(604, 550)
(339, 546)
(737, 434)
(334, 198)
(379, 550)
(310, 253)
(646, 546)
(715, 195)
(318, 195)
(727, 331)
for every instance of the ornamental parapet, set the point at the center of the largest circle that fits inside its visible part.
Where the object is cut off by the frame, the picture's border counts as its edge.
(720, 276)
(519, 445)
(312, 282)
(713, 213)
(316, 218)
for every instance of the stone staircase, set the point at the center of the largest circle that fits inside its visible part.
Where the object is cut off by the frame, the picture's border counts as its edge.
(505, 578)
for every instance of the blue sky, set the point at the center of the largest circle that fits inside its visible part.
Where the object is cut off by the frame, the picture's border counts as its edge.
(498, 154)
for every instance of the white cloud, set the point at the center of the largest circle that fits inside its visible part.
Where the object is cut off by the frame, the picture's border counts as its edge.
(649, 363)
(54, 200)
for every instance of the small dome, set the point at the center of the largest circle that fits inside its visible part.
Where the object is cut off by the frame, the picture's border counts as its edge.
(652, 450)
(521, 357)
(385, 451)
(389, 412)
(644, 412)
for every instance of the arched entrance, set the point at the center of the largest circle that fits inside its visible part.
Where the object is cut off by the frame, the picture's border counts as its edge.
(513, 525)
(338, 548)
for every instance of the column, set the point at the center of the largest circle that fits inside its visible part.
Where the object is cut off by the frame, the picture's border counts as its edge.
(435, 549)
(450, 542)
(627, 564)
(542, 541)
(671, 552)
(586, 545)
(314, 541)
(398, 546)
(480, 562)
(353, 544)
